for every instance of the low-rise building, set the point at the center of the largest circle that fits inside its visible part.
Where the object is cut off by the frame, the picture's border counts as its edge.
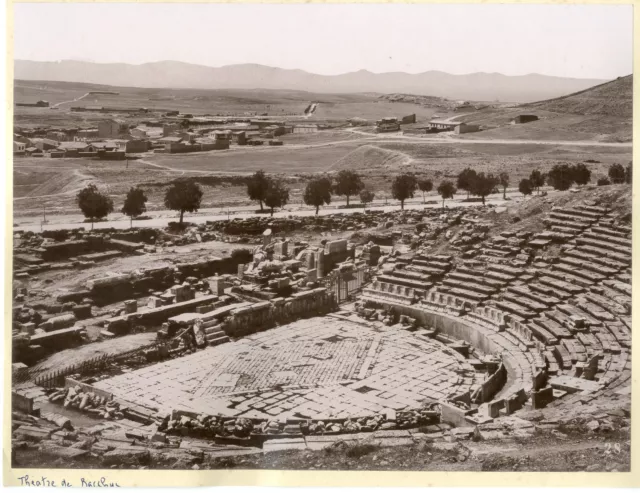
(305, 128)
(112, 129)
(387, 125)
(137, 146)
(45, 144)
(436, 126)
(19, 148)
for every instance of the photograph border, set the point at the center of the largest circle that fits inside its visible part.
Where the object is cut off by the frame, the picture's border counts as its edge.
(154, 478)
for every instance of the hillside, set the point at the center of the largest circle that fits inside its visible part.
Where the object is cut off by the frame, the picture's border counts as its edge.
(172, 74)
(613, 98)
(369, 157)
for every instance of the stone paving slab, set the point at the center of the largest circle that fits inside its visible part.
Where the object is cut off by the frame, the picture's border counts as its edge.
(324, 367)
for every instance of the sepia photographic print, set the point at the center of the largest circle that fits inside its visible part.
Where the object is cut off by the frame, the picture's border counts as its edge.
(319, 237)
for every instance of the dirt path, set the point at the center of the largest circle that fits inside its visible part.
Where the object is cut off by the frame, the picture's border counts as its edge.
(72, 101)
(82, 181)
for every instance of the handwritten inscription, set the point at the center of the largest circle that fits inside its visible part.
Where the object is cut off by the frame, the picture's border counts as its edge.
(44, 482)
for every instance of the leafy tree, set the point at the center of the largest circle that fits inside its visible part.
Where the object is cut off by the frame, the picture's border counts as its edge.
(537, 179)
(318, 192)
(94, 204)
(628, 176)
(525, 187)
(616, 173)
(447, 190)
(581, 174)
(348, 183)
(403, 187)
(277, 195)
(257, 187)
(483, 185)
(465, 180)
(366, 196)
(183, 196)
(603, 181)
(561, 177)
(425, 186)
(504, 182)
(134, 204)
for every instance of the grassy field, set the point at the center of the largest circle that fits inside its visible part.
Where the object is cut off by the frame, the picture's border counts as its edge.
(249, 160)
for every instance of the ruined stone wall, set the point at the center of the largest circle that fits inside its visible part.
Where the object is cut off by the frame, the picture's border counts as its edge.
(126, 286)
(266, 314)
(494, 383)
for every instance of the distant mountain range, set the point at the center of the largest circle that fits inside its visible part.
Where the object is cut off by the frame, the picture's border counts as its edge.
(179, 75)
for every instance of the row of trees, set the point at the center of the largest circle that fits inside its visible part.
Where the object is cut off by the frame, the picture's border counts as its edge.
(564, 176)
(273, 193)
(183, 196)
(186, 195)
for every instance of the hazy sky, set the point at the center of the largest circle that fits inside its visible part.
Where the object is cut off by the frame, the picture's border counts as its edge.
(592, 41)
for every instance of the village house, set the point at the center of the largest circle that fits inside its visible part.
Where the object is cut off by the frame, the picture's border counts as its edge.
(436, 126)
(45, 144)
(73, 149)
(18, 148)
(305, 128)
(139, 133)
(137, 145)
(112, 129)
(21, 138)
(86, 133)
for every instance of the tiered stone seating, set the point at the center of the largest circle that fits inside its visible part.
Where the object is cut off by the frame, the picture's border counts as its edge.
(516, 309)
(583, 260)
(564, 280)
(621, 287)
(543, 335)
(563, 357)
(579, 274)
(436, 265)
(576, 350)
(549, 290)
(554, 328)
(401, 278)
(603, 235)
(614, 251)
(385, 292)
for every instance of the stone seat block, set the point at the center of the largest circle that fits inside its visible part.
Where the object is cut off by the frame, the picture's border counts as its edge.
(409, 283)
(563, 357)
(578, 220)
(543, 335)
(622, 251)
(565, 225)
(580, 212)
(607, 231)
(603, 253)
(469, 286)
(548, 291)
(569, 281)
(623, 242)
(476, 278)
(587, 276)
(524, 302)
(534, 296)
(515, 309)
(581, 261)
(468, 295)
(553, 327)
